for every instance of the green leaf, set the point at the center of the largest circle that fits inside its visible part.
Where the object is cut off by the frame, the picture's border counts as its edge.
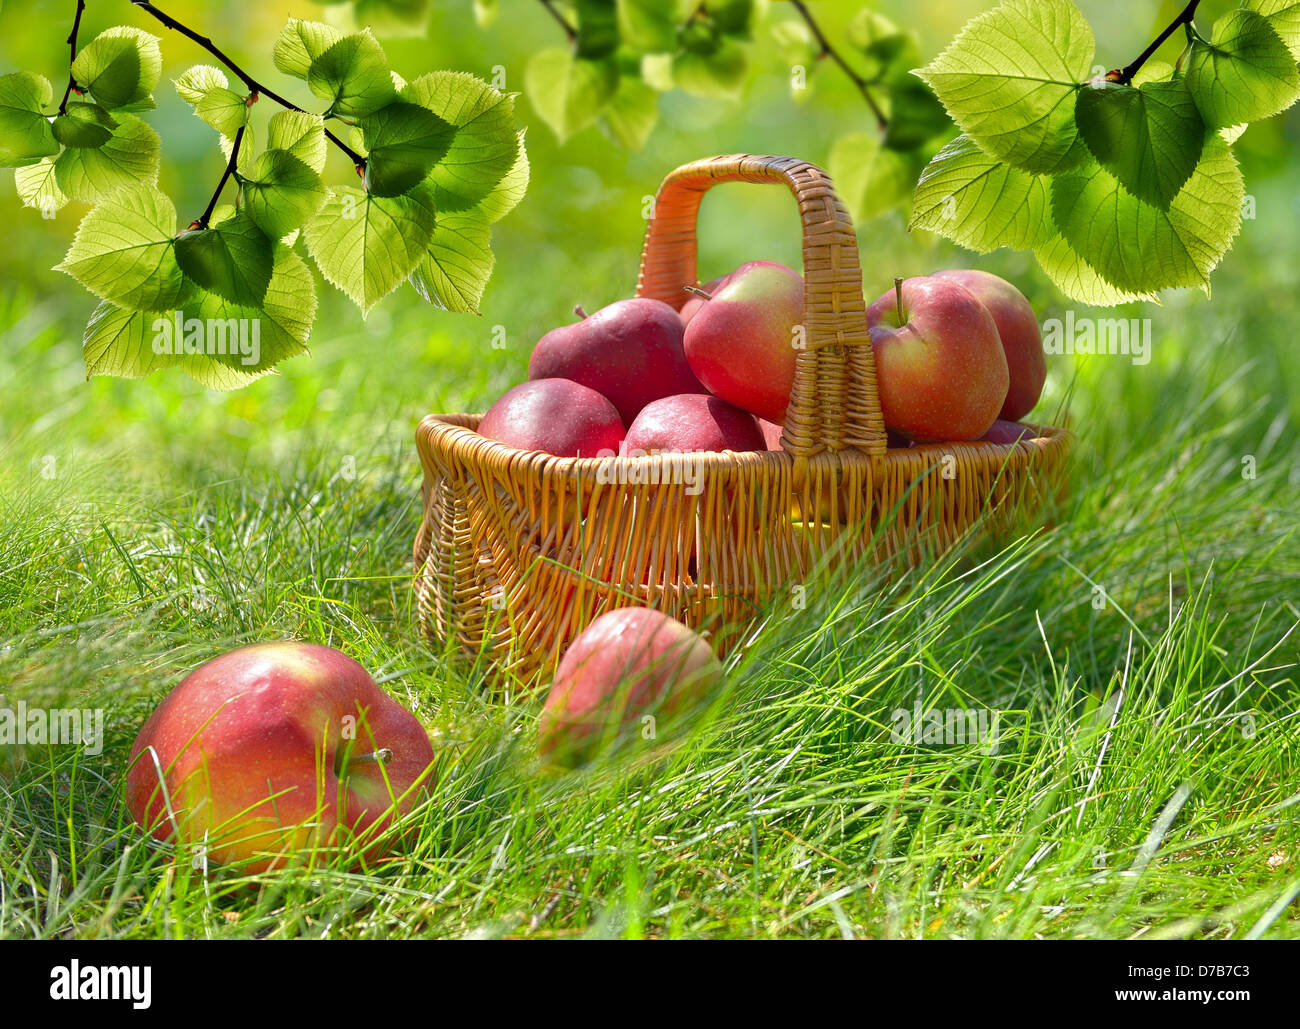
(1008, 80)
(733, 17)
(136, 343)
(120, 67)
(301, 43)
(281, 192)
(507, 193)
(597, 25)
(368, 245)
(915, 114)
(1149, 138)
(720, 74)
(130, 157)
(1140, 248)
(38, 187)
(1244, 74)
(124, 250)
(456, 268)
(233, 259)
(1077, 279)
(247, 149)
(353, 76)
(484, 144)
(205, 88)
(1284, 16)
(568, 93)
(301, 134)
(632, 114)
(880, 40)
(84, 126)
(403, 142)
(649, 26)
(980, 202)
(25, 133)
(870, 178)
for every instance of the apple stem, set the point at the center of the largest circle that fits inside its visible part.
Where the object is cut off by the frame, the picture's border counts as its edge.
(376, 757)
(579, 310)
(698, 292)
(898, 297)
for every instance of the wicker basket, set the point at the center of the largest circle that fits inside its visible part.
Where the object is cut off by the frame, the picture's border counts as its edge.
(518, 551)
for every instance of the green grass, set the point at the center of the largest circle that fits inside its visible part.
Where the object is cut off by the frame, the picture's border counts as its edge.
(1142, 652)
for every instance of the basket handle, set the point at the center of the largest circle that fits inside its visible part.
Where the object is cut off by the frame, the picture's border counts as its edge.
(834, 403)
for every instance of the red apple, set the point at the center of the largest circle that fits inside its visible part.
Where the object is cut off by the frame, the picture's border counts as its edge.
(940, 369)
(691, 422)
(630, 352)
(771, 433)
(555, 416)
(1022, 338)
(694, 302)
(1003, 431)
(742, 343)
(274, 748)
(632, 673)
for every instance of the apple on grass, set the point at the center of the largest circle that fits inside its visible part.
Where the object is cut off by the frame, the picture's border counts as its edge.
(692, 422)
(630, 352)
(275, 748)
(1022, 338)
(555, 416)
(633, 673)
(741, 342)
(941, 372)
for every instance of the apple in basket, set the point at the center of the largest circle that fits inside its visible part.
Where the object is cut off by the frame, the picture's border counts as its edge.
(555, 416)
(630, 351)
(273, 748)
(941, 371)
(1022, 339)
(693, 422)
(1002, 431)
(742, 342)
(698, 294)
(633, 674)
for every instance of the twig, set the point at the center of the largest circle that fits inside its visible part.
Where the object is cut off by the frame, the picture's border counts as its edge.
(251, 83)
(829, 51)
(1126, 74)
(72, 47)
(569, 30)
(202, 222)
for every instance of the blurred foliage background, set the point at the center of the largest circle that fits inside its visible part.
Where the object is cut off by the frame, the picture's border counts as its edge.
(575, 239)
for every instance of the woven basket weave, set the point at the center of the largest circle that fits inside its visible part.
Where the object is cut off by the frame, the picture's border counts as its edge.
(518, 551)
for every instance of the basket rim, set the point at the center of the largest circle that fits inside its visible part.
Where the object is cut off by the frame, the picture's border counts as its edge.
(451, 430)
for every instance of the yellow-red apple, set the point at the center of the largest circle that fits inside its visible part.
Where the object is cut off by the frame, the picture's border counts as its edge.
(555, 416)
(743, 342)
(940, 369)
(274, 748)
(632, 673)
(1022, 338)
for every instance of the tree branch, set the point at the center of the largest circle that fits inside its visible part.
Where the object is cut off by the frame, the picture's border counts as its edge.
(72, 47)
(249, 82)
(569, 30)
(202, 222)
(1126, 73)
(829, 51)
